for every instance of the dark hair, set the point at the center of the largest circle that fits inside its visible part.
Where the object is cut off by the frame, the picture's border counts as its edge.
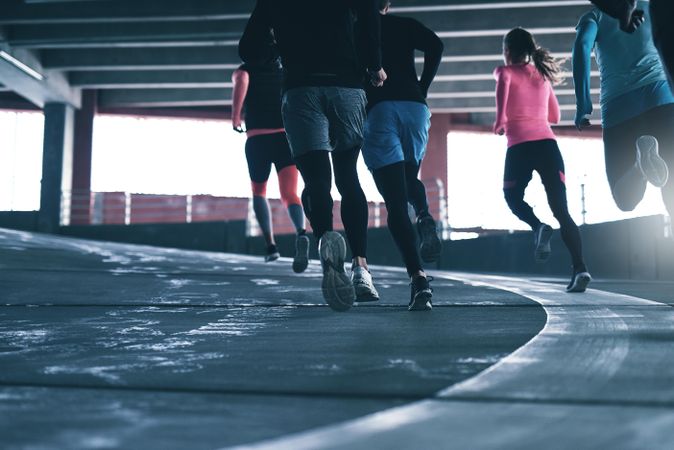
(383, 4)
(521, 46)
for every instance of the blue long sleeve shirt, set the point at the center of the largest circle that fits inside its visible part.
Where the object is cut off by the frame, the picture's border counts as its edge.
(633, 79)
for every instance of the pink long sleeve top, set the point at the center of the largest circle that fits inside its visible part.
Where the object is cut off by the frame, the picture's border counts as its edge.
(525, 104)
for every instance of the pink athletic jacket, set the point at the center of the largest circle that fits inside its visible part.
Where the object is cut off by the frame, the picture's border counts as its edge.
(525, 104)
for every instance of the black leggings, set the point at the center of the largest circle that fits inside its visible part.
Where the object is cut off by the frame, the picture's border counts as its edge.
(416, 191)
(628, 184)
(317, 201)
(392, 186)
(662, 18)
(545, 158)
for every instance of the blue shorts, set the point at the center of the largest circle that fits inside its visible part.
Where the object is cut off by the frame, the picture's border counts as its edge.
(395, 131)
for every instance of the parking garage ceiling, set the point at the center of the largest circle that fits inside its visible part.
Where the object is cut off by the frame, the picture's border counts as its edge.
(181, 53)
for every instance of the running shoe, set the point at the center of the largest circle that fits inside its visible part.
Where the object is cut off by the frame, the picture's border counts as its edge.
(650, 163)
(579, 281)
(362, 283)
(542, 237)
(272, 254)
(337, 287)
(421, 295)
(430, 242)
(301, 260)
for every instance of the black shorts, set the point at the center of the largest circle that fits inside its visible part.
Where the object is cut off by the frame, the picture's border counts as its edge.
(264, 150)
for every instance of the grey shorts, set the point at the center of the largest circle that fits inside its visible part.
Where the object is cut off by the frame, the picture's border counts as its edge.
(323, 118)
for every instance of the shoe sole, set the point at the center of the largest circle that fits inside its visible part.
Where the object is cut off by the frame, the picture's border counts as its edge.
(543, 250)
(301, 260)
(271, 258)
(651, 163)
(422, 302)
(365, 297)
(337, 288)
(582, 281)
(431, 246)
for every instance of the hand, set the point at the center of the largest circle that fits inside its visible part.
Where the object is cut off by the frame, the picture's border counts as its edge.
(634, 21)
(498, 129)
(237, 125)
(377, 77)
(583, 123)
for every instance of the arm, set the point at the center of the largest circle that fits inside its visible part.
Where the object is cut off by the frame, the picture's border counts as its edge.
(370, 27)
(502, 91)
(554, 114)
(429, 43)
(257, 39)
(240, 79)
(586, 35)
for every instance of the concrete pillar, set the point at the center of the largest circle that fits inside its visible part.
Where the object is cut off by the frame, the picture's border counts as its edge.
(434, 166)
(81, 205)
(57, 156)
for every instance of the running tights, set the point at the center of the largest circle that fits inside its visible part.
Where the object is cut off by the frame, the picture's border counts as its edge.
(416, 191)
(391, 184)
(545, 158)
(317, 175)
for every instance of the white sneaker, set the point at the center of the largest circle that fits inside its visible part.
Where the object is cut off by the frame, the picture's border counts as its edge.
(362, 283)
(650, 163)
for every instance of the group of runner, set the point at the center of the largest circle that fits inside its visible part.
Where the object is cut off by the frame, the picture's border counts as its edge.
(324, 81)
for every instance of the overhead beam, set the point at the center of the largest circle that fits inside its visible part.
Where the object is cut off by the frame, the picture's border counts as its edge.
(134, 34)
(18, 12)
(214, 57)
(153, 79)
(163, 98)
(21, 71)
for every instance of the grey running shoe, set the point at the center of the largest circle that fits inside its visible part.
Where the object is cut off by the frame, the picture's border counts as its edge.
(421, 295)
(431, 246)
(362, 283)
(272, 254)
(650, 163)
(337, 287)
(542, 241)
(301, 260)
(579, 282)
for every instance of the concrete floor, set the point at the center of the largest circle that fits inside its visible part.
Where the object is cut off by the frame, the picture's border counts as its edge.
(119, 346)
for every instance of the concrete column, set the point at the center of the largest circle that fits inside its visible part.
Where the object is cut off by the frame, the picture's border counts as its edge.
(81, 205)
(434, 166)
(57, 156)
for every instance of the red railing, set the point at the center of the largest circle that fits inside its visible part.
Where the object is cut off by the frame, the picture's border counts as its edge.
(98, 208)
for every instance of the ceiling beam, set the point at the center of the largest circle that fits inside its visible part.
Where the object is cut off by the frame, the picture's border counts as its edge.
(21, 72)
(18, 12)
(134, 34)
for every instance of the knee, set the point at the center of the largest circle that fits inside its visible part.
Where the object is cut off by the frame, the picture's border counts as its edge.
(625, 203)
(259, 189)
(511, 196)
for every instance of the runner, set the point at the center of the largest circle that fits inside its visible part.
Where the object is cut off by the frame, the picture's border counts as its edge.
(323, 110)
(525, 107)
(637, 106)
(662, 17)
(396, 134)
(257, 88)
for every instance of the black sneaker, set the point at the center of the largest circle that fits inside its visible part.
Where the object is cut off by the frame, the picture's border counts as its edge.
(301, 260)
(542, 237)
(337, 287)
(421, 295)
(579, 281)
(431, 245)
(272, 254)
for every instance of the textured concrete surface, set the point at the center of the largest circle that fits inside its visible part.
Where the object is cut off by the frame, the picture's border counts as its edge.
(599, 375)
(120, 346)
